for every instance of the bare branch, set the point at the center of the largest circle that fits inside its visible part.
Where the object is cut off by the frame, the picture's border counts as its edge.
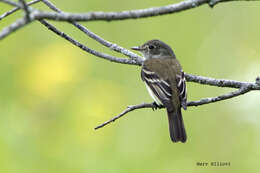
(221, 82)
(13, 27)
(17, 8)
(17, 24)
(136, 60)
(22, 22)
(25, 8)
(232, 94)
(9, 2)
(128, 109)
(244, 89)
(109, 16)
(123, 15)
(130, 14)
(94, 36)
(85, 48)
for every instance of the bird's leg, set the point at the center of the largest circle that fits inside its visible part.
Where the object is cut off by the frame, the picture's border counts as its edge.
(156, 106)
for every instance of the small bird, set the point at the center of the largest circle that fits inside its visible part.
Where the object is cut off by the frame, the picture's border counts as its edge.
(165, 81)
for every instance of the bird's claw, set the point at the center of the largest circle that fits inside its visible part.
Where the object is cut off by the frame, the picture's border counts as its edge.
(156, 106)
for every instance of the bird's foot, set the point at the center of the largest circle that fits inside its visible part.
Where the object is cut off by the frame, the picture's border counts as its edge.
(156, 106)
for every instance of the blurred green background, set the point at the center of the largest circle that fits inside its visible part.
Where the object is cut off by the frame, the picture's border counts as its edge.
(52, 94)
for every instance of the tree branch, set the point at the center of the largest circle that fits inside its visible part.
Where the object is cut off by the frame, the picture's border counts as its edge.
(123, 15)
(246, 87)
(85, 48)
(110, 16)
(94, 36)
(222, 82)
(18, 24)
(10, 3)
(26, 10)
(21, 22)
(232, 94)
(135, 59)
(17, 8)
(128, 109)
(128, 14)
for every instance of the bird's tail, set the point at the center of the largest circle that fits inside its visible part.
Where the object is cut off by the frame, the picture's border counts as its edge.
(176, 126)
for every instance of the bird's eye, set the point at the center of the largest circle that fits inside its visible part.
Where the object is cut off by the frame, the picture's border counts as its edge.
(151, 47)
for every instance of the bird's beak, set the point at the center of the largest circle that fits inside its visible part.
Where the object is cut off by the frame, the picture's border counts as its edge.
(136, 48)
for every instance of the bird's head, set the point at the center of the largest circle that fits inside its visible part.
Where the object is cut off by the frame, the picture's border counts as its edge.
(155, 49)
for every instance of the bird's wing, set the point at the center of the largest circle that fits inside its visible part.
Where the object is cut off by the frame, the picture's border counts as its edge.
(160, 87)
(181, 85)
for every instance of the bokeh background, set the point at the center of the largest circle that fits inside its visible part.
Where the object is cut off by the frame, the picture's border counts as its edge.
(52, 94)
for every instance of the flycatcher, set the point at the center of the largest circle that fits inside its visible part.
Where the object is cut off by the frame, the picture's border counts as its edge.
(165, 81)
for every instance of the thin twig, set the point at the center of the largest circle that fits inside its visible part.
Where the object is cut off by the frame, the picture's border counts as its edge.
(221, 82)
(22, 22)
(10, 3)
(17, 8)
(18, 24)
(232, 94)
(244, 89)
(128, 14)
(110, 16)
(94, 36)
(26, 10)
(128, 109)
(85, 48)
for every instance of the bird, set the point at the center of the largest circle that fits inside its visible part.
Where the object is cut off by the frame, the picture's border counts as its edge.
(165, 82)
